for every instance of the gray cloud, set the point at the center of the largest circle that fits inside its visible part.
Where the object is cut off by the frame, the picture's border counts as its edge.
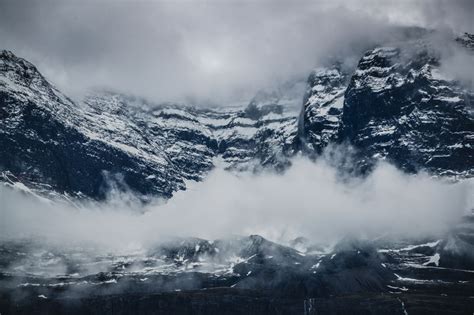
(308, 200)
(208, 49)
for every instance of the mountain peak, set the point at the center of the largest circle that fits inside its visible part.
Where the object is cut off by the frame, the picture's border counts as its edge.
(9, 57)
(6, 54)
(20, 72)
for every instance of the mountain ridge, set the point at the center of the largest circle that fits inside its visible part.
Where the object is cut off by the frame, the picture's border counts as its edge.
(390, 107)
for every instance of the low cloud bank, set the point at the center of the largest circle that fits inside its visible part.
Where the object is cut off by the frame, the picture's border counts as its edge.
(310, 199)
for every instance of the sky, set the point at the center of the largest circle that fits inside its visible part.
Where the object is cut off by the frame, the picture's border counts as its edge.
(211, 50)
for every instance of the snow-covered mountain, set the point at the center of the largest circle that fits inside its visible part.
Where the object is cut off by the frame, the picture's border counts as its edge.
(397, 104)
(400, 105)
(51, 142)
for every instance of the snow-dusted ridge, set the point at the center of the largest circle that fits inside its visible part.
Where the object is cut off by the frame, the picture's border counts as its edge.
(397, 104)
(153, 149)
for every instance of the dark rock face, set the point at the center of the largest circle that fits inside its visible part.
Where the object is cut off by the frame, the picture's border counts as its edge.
(398, 106)
(320, 118)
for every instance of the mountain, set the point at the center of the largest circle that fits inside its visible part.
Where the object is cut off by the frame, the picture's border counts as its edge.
(397, 104)
(109, 140)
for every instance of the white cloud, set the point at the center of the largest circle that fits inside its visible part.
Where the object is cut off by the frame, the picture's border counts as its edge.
(310, 200)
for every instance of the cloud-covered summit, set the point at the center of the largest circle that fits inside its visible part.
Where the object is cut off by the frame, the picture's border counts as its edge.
(214, 50)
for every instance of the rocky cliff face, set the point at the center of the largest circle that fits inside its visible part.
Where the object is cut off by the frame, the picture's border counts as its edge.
(320, 119)
(396, 105)
(401, 107)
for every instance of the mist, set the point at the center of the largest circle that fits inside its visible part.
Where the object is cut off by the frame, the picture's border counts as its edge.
(220, 51)
(310, 199)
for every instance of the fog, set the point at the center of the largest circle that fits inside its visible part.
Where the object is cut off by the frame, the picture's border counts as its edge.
(218, 51)
(310, 199)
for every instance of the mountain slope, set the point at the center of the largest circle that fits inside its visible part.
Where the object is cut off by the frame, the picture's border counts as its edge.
(124, 143)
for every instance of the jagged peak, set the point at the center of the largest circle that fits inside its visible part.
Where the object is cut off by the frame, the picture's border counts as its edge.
(6, 54)
(20, 69)
(21, 79)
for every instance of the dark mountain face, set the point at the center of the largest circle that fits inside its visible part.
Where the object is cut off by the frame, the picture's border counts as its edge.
(320, 119)
(399, 106)
(396, 105)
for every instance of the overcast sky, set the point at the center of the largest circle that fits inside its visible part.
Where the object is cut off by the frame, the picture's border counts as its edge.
(168, 50)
